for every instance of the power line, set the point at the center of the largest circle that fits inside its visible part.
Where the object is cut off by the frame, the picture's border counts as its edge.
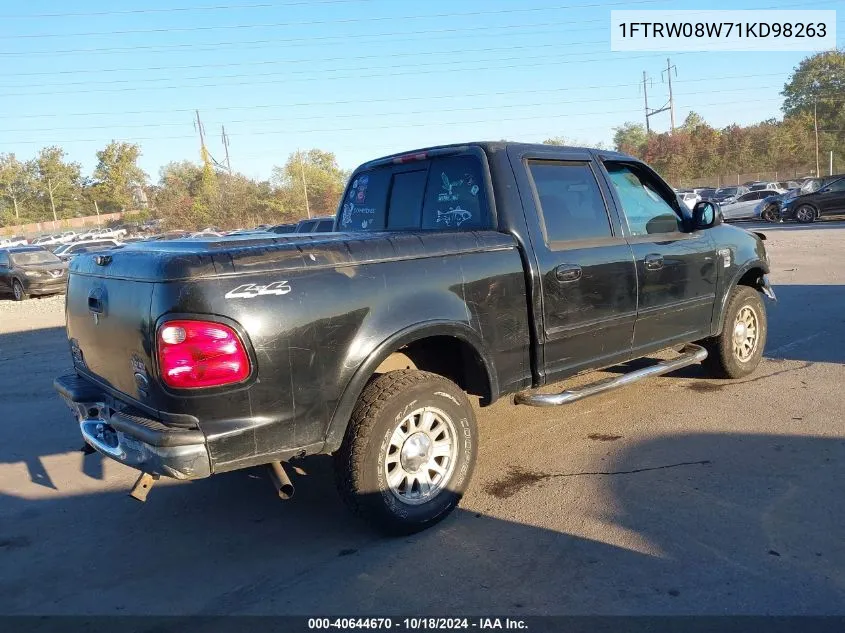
(224, 7)
(376, 114)
(368, 19)
(288, 130)
(391, 99)
(342, 39)
(275, 62)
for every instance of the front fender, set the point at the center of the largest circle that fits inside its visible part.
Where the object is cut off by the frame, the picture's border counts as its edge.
(760, 282)
(340, 419)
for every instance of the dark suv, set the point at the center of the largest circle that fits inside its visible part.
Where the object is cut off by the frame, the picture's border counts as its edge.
(31, 270)
(808, 207)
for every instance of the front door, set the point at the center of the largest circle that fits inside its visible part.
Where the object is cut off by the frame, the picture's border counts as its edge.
(587, 271)
(676, 270)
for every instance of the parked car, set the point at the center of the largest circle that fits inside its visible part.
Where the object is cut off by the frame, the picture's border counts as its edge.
(767, 186)
(690, 199)
(66, 252)
(727, 195)
(746, 206)
(17, 240)
(31, 270)
(707, 193)
(487, 268)
(46, 240)
(805, 208)
(315, 225)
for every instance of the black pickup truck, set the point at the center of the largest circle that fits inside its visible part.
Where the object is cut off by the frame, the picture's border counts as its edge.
(488, 269)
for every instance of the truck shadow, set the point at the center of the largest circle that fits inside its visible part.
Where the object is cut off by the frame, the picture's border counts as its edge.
(696, 524)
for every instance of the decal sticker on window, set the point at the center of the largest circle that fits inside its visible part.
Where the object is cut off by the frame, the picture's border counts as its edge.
(453, 217)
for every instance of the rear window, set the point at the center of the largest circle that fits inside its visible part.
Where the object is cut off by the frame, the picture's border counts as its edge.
(445, 193)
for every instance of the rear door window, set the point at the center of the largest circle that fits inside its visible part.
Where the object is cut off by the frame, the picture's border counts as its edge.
(571, 204)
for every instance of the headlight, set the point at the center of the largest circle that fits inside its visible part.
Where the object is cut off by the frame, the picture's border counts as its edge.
(32, 273)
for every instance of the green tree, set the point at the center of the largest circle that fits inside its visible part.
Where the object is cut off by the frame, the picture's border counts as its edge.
(317, 172)
(816, 89)
(16, 182)
(630, 138)
(555, 140)
(117, 174)
(58, 183)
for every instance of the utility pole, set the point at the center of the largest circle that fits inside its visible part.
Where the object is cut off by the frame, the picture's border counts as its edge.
(226, 147)
(668, 71)
(304, 185)
(52, 202)
(201, 130)
(651, 113)
(816, 126)
(830, 173)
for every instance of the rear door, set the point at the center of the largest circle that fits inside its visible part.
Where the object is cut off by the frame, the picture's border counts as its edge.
(833, 198)
(587, 271)
(676, 270)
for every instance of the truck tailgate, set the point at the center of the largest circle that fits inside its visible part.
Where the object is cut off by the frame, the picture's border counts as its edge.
(108, 327)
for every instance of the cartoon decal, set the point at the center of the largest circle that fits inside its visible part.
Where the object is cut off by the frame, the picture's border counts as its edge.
(346, 217)
(453, 217)
(249, 291)
(448, 194)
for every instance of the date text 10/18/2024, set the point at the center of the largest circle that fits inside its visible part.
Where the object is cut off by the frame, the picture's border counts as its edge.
(418, 624)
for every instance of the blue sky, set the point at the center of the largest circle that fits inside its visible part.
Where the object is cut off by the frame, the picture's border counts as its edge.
(361, 78)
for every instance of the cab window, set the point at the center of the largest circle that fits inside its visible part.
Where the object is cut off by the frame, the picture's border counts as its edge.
(647, 210)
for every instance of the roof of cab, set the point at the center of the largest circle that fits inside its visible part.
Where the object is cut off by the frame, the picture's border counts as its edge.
(491, 147)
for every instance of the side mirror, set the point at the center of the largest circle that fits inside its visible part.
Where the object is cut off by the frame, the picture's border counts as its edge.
(825, 190)
(706, 214)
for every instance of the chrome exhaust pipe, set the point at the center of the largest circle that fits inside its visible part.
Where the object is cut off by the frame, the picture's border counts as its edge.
(281, 481)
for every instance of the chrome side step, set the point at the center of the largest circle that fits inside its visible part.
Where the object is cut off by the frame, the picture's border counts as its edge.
(690, 355)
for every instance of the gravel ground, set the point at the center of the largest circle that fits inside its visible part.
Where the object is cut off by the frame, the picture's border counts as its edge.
(678, 495)
(32, 314)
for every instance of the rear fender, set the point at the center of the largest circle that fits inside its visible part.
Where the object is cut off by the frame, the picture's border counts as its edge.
(337, 426)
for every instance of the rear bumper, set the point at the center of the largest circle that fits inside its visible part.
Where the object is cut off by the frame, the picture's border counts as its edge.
(129, 437)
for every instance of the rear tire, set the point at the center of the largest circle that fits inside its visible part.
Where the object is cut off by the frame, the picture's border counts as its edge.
(805, 214)
(18, 292)
(409, 451)
(736, 352)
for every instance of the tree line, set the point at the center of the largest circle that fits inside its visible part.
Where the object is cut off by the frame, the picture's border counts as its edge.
(198, 195)
(814, 99)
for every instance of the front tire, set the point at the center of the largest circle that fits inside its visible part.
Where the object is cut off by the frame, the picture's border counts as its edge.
(805, 214)
(18, 292)
(409, 452)
(736, 352)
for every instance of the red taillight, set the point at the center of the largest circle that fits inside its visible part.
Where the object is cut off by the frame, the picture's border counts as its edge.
(193, 354)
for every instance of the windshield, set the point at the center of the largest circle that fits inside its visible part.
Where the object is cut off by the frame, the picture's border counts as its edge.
(811, 185)
(727, 191)
(28, 258)
(61, 249)
(758, 187)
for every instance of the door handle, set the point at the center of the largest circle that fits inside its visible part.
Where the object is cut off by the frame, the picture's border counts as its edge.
(653, 262)
(568, 272)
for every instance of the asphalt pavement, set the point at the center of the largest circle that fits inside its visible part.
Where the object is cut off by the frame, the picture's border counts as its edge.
(678, 495)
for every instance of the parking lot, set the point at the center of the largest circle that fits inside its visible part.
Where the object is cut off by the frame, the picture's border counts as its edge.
(678, 495)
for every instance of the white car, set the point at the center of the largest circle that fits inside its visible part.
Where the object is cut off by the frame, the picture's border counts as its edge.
(767, 186)
(689, 198)
(67, 251)
(17, 240)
